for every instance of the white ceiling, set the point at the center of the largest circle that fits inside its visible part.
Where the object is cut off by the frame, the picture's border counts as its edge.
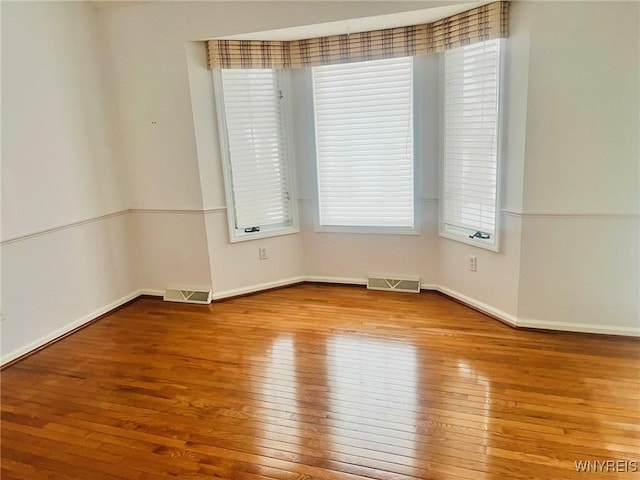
(441, 9)
(109, 4)
(364, 24)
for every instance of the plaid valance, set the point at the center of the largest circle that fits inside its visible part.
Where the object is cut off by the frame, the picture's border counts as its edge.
(475, 25)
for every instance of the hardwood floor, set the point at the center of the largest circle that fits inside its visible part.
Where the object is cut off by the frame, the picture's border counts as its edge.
(320, 382)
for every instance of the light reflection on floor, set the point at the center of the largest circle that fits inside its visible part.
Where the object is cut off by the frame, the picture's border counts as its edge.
(467, 372)
(380, 377)
(279, 385)
(370, 389)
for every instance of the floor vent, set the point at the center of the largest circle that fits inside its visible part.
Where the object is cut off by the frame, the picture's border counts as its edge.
(188, 295)
(393, 284)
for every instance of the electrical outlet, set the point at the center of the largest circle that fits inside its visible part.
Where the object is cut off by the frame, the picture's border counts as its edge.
(473, 263)
(262, 252)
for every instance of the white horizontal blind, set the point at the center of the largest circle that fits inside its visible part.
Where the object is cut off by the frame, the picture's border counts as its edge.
(471, 109)
(254, 124)
(364, 141)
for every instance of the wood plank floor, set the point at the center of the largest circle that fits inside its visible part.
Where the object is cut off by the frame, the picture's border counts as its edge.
(320, 382)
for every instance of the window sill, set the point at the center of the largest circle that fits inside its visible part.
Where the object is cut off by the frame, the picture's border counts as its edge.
(237, 237)
(475, 242)
(368, 230)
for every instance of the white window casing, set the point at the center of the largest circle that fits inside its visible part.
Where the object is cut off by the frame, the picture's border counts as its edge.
(364, 129)
(252, 118)
(471, 125)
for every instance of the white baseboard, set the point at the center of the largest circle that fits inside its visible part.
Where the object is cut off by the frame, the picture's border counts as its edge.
(67, 328)
(579, 327)
(256, 288)
(338, 280)
(483, 307)
(151, 292)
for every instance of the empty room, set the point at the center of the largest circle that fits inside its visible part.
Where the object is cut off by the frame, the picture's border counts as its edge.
(320, 239)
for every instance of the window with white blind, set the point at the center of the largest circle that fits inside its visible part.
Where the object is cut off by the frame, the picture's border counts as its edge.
(471, 143)
(364, 146)
(252, 120)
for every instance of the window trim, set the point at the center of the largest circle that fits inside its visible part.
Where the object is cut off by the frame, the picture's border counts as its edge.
(235, 234)
(417, 169)
(460, 234)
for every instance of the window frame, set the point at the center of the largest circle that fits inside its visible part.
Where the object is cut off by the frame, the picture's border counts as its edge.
(417, 169)
(238, 234)
(460, 234)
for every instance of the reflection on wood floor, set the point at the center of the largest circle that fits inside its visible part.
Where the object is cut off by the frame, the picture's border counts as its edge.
(320, 382)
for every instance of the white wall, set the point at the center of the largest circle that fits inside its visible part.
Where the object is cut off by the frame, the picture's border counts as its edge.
(59, 169)
(582, 128)
(152, 75)
(580, 243)
(57, 128)
(169, 248)
(161, 76)
(61, 279)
